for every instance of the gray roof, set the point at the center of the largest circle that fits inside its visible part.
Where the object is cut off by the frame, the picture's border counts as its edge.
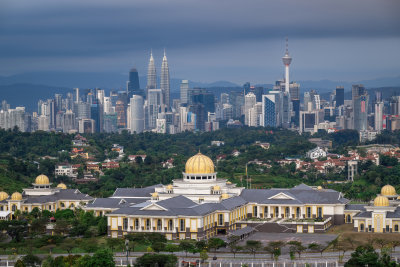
(63, 194)
(134, 192)
(393, 214)
(111, 203)
(363, 214)
(301, 194)
(360, 207)
(242, 231)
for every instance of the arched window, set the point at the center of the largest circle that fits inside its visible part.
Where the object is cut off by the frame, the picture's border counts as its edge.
(361, 227)
(14, 208)
(348, 218)
(396, 227)
(72, 205)
(62, 204)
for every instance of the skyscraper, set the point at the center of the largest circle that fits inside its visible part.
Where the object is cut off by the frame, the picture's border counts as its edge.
(378, 116)
(269, 109)
(133, 83)
(339, 92)
(360, 116)
(151, 75)
(184, 92)
(165, 83)
(249, 102)
(286, 61)
(154, 103)
(137, 114)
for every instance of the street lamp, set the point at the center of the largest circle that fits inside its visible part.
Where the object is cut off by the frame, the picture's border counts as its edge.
(127, 251)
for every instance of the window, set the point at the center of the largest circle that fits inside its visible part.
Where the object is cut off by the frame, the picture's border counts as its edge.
(308, 212)
(361, 227)
(62, 204)
(220, 219)
(298, 212)
(319, 212)
(265, 212)
(369, 228)
(14, 208)
(387, 228)
(348, 218)
(170, 225)
(125, 223)
(137, 224)
(396, 227)
(255, 211)
(276, 212)
(182, 226)
(159, 224)
(287, 212)
(1, 208)
(147, 224)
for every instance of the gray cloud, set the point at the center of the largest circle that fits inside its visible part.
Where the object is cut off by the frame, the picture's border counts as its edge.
(109, 35)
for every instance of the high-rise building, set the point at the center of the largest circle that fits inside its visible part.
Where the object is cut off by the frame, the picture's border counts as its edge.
(151, 75)
(165, 82)
(82, 110)
(68, 121)
(286, 61)
(378, 116)
(255, 113)
(121, 114)
(43, 123)
(76, 95)
(258, 91)
(225, 98)
(184, 92)
(86, 126)
(360, 115)
(154, 104)
(96, 114)
(294, 89)
(339, 96)
(269, 110)
(110, 123)
(133, 83)
(249, 102)
(11, 118)
(137, 114)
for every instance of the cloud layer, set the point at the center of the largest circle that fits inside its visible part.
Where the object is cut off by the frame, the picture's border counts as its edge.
(205, 40)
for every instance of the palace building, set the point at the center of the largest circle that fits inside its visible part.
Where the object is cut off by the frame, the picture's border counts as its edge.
(382, 215)
(42, 196)
(200, 206)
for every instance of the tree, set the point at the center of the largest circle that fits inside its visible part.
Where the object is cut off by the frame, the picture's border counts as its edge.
(61, 226)
(171, 248)
(103, 258)
(316, 247)
(186, 245)
(363, 256)
(232, 244)
(274, 248)
(201, 245)
(31, 260)
(156, 260)
(297, 247)
(68, 245)
(102, 226)
(215, 243)
(114, 243)
(203, 255)
(19, 263)
(253, 246)
(158, 246)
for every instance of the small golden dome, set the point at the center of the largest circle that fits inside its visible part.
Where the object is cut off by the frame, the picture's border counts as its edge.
(224, 196)
(398, 197)
(16, 196)
(228, 182)
(169, 186)
(3, 195)
(154, 195)
(216, 188)
(381, 201)
(319, 187)
(388, 190)
(61, 186)
(42, 179)
(199, 164)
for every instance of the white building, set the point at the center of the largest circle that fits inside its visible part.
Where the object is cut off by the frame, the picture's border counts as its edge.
(316, 153)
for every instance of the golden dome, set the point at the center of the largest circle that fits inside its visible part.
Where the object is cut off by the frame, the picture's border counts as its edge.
(42, 179)
(228, 182)
(381, 201)
(319, 187)
(224, 196)
(3, 195)
(154, 195)
(16, 196)
(169, 186)
(199, 164)
(398, 197)
(216, 188)
(388, 190)
(61, 186)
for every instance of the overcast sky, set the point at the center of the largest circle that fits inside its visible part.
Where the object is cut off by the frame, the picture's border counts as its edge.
(205, 40)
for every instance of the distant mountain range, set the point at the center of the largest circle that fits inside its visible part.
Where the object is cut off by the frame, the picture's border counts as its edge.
(27, 88)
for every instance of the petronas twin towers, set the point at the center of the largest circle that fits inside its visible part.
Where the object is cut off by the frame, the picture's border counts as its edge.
(165, 81)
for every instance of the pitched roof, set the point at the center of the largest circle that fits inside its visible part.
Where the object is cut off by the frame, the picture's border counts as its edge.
(134, 192)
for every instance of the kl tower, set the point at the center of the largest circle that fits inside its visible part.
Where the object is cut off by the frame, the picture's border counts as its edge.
(286, 61)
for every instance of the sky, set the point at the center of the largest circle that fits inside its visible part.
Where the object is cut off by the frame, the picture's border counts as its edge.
(205, 40)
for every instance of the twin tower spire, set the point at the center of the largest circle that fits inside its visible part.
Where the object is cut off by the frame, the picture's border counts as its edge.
(165, 80)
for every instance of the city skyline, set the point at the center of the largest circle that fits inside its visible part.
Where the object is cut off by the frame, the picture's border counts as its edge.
(342, 41)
